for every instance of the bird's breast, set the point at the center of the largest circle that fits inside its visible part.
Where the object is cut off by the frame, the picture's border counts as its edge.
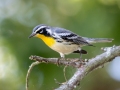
(65, 48)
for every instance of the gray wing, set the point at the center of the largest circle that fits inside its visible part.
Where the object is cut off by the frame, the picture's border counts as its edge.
(69, 36)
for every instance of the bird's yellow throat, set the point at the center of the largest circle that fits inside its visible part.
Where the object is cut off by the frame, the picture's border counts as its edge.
(47, 40)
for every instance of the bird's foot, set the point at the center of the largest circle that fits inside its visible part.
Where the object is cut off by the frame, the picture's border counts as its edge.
(58, 61)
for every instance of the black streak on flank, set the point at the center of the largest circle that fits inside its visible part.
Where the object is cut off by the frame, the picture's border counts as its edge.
(59, 41)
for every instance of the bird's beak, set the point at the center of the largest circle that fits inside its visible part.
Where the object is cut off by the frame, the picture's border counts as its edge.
(32, 35)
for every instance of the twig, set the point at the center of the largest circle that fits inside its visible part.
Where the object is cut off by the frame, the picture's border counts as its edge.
(64, 73)
(28, 73)
(82, 69)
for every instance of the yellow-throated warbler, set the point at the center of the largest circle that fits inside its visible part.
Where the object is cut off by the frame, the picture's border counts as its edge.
(64, 41)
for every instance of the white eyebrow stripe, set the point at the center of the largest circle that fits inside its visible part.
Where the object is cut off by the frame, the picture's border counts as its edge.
(39, 28)
(36, 30)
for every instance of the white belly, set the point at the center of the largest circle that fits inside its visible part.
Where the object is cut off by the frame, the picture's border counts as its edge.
(64, 48)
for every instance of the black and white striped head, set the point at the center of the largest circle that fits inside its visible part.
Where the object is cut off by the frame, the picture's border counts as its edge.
(41, 29)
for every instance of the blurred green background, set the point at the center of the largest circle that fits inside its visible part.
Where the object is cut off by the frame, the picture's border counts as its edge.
(89, 18)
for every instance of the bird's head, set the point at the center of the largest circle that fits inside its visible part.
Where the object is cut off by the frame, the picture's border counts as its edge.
(41, 30)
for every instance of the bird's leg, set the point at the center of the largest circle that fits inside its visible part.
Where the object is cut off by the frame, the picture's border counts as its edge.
(80, 56)
(83, 62)
(82, 52)
(62, 57)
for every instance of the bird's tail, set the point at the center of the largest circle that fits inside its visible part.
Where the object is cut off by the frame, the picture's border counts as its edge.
(98, 40)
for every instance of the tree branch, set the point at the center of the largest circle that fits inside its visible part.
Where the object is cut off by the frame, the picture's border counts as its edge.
(74, 62)
(82, 68)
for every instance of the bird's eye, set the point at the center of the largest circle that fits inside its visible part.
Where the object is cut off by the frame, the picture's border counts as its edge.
(41, 30)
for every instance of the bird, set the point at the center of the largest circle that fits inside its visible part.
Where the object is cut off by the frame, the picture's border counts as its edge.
(64, 41)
